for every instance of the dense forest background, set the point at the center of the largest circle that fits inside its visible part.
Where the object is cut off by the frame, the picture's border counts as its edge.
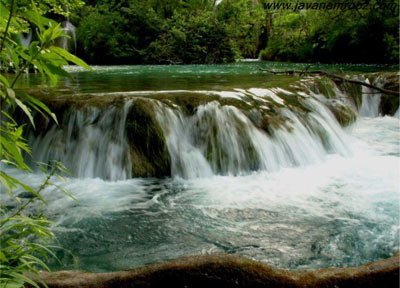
(210, 31)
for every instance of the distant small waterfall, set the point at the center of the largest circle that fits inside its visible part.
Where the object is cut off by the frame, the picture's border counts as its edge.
(370, 102)
(25, 39)
(69, 29)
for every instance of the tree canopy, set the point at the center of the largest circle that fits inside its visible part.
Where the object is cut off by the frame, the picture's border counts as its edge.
(368, 33)
(159, 31)
(209, 31)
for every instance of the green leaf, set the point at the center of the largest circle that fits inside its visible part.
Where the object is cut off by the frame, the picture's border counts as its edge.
(24, 279)
(64, 191)
(4, 80)
(9, 117)
(57, 70)
(34, 102)
(52, 76)
(14, 152)
(3, 257)
(26, 111)
(4, 12)
(34, 17)
(36, 261)
(37, 19)
(69, 57)
(11, 93)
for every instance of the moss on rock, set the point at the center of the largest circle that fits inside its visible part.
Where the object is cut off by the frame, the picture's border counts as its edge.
(343, 113)
(149, 151)
(390, 103)
(352, 90)
(324, 86)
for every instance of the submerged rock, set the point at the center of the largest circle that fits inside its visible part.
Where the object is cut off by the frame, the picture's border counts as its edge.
(230, 271)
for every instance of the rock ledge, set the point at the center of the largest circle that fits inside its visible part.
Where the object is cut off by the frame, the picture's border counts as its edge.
(230, 271)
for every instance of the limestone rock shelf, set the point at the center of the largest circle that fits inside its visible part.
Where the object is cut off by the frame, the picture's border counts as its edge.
(230, 271)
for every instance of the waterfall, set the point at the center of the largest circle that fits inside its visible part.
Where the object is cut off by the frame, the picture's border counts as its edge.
(370, 101)
(263, 172)
(69, 29)
(212, 139)
(397, 114)
(25, 39)
(186, 160)
(222, 140)
(91, 143)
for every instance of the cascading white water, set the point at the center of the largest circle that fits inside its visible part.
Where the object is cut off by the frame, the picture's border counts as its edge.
(216, 140)
(25, 39)
(340, 212)
(370, 101)
(337, 212)
(222, 140)
(93, 145)
(186, 160)
(69, 29)
(397, 113)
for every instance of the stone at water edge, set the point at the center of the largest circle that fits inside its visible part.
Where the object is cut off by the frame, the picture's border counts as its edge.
(231, 271)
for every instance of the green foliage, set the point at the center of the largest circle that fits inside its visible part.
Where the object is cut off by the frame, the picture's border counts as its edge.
(193, 39)
(245, 24)
(20, 250)
(117, 35)
(153, 31)
(23, 15)
(368, 35)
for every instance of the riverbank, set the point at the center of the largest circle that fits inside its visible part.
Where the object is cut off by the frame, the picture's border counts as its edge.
(230, 271)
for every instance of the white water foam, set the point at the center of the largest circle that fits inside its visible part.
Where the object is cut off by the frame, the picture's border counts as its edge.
(93, 145)
(342, 211)
(221, 140)
(370, 101)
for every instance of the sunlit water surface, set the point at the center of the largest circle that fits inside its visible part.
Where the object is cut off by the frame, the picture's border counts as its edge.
(182, 77)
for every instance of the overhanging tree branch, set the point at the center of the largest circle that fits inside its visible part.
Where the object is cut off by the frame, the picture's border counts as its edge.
(333, 76)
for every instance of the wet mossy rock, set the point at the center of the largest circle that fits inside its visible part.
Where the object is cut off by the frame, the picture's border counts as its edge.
(352, 90)
(190, 102)
(231, 271)
(268, 121)
(324, 86)
(343, 113)
(390, 104)
(149, 153)
(341, 98)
